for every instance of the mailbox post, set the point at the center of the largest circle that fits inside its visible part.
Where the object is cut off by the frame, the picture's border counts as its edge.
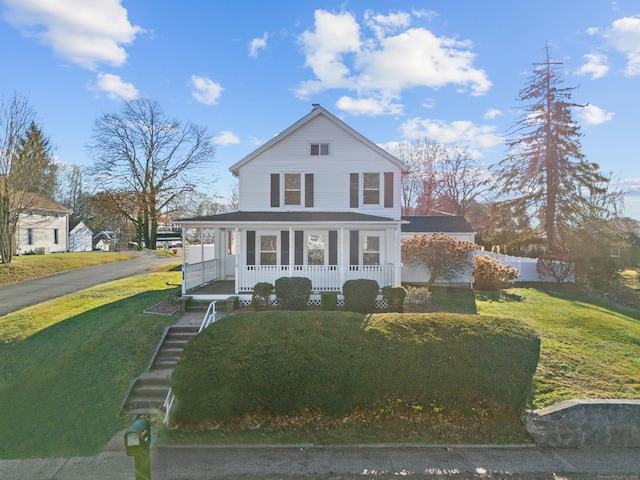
(137, 440)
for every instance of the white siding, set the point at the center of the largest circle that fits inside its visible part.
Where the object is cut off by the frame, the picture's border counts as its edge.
(43, 227)
(331, 173)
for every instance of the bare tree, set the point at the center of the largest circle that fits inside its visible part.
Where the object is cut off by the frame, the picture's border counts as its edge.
(25, 167)
(144, 160)
(462, 182)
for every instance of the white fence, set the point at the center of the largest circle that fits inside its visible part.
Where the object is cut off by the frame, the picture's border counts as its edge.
(196, 274)
(526, 266)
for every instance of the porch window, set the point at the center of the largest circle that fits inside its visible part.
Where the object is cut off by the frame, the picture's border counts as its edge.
(315, 250)
(371, 189)
(317, 149)
(268, 249)
(292, 189)
(371, 250)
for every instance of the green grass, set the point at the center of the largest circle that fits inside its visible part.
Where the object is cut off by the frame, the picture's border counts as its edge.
(590, 347)
(27, 267)
(341, 377)
(66, 365)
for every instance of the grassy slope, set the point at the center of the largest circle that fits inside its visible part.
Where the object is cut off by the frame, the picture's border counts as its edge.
(65, 365)
(589, 349)
(28, 267)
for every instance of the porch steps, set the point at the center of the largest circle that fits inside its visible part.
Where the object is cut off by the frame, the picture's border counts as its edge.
(196, 305)
(149, 390)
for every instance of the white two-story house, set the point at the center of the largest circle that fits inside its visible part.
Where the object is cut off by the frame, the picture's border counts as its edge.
(318, 200)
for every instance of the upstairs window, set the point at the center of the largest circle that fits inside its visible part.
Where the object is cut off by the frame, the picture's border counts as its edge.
(292, 189)
(317, 149)
(371, 190)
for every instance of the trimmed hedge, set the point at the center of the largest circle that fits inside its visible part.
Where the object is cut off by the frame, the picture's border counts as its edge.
(360, 295)
(280, 363)
(395, 296)
(293, 292)
(261, 293)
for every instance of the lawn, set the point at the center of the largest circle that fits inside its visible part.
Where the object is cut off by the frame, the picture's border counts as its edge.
(26, 267)
(66, 365)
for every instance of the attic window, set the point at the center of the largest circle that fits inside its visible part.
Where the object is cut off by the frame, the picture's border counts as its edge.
(319, 149)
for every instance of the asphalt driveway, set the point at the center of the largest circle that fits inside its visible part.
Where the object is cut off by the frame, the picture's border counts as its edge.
(24, 294)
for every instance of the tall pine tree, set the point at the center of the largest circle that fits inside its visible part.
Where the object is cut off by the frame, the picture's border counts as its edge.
(545, 176)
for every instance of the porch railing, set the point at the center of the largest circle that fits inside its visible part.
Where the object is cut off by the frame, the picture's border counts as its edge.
(323, 278)
(197, 274)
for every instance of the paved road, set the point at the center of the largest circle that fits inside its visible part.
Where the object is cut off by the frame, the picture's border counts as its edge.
(20, 295)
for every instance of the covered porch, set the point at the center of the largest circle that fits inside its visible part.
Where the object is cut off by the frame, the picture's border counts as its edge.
(244, 253)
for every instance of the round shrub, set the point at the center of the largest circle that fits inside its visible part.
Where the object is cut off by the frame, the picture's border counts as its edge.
(395, 296)
(491, 274)
(261, 293)
(293, 292)
(329, 301)
(360, 295)
(418, 300)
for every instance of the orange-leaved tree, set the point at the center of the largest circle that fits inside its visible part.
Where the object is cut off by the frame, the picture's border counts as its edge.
(445, 257)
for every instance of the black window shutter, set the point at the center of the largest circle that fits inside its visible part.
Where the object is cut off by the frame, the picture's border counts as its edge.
(388, 189)
(275, 189)
(333, 247)
(299, 247)
(308, 190)
(353, 247)
(284, 247)
(354, 191)
(251, 247)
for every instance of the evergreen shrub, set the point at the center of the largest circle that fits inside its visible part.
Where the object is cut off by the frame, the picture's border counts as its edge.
(293, 292)
(395, 296)
(260, 297)
(360, 295)
(328, 301)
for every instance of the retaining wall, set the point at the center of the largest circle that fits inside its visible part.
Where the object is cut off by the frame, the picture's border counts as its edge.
(587, 423)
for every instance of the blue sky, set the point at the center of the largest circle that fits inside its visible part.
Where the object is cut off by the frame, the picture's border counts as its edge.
(394, 71)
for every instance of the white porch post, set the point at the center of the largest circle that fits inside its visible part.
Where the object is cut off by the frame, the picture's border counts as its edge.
(342, 264)
(292, 246)
(202, 264)
(237, 243)
(398, 267)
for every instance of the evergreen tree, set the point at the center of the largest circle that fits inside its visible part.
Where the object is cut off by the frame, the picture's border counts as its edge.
(545, 175)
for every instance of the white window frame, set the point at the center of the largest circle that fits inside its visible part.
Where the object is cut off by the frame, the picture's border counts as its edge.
(325, 235)
(259, 250)
(364, 189)
(300, 190)
(380, 236)
(320, 146)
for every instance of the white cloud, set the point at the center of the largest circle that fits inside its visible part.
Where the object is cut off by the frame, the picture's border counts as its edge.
(115, 87)
(258, 44)
(624, 37)
(492, 113)
(596, 65)
(461, 132)
(382, 65)
(368, 106)
(226, 137)
(85, 32)
(206, 91)
(592, 115)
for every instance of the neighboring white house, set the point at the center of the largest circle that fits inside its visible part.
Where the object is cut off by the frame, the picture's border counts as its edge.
(453, 226)
(43, 226)
(318, 200)
(80, 237)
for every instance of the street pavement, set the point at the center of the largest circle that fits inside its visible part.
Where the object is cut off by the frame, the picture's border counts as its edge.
(24, 294)
(337, 463)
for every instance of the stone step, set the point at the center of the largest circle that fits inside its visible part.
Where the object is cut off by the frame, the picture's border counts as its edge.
(150, 391)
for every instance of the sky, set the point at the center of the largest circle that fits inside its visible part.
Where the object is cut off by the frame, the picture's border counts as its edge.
(447, 70)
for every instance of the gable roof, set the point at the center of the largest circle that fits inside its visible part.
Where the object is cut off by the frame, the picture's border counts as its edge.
(435, 224)
(33, 201)
(317, 110)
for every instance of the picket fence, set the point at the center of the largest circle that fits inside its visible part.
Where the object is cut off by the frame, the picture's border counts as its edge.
(526, 266)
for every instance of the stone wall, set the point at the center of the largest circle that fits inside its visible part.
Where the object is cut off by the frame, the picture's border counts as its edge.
(584, 423)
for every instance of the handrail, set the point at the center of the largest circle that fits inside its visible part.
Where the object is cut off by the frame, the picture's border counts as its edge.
(208, 319)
